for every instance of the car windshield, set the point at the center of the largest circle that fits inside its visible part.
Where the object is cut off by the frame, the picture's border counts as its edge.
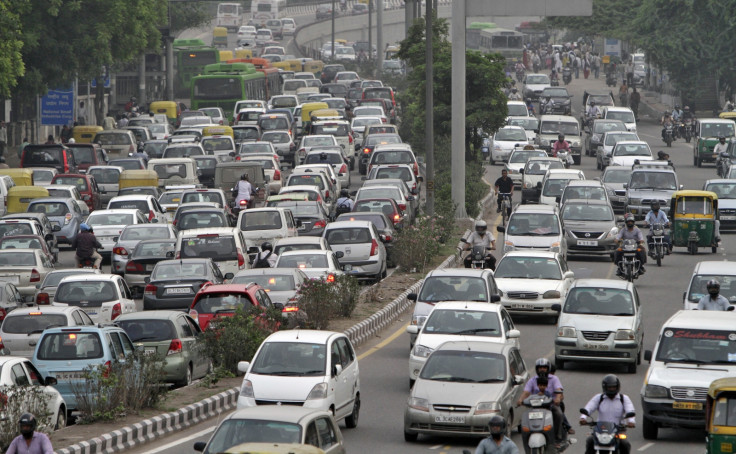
(716, 129)
(49, 208)
(260, 220)
(394, 157)
(306, 180)
(540, 167)
(580, 212)
(200, 220)
(145, 233)
(698, 287)
(13, 228)
(528, 123)
(653, 180)
(678, 345)
(301, 209)
(453, 288)
(35, 322)
(722, 190)
(553, 187)
(626, 117)
(632, 149)
(67, 346)
(183, 152)
(270, 283)
(567, 128)
(165, 171)
(217, 247)
(600, 100)
(533, 224)
(588, 193)
(103, 176)
(401, 173)
(519, 110)
(245, 134)
(463, 322)
(617, 175)
(86, 293)
(41, 176)
(510, 134)
(518, 267)
(251, 147)
(613, 139)
(537, 79)
(605, 126)
(377, 220)
(214, 144)
(303, 261)
(235, 431)
(599, 301)
(520, 156)
(202, 196)
(290, 359)
(465, 366)
(379, 193)
(221, 303)
(148, 330)
(12, 258)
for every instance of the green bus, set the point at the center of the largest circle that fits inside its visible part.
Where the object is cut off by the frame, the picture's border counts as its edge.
(191, 56)
(224, 84)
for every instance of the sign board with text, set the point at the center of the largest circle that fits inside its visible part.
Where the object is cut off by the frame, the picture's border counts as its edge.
(57, 108)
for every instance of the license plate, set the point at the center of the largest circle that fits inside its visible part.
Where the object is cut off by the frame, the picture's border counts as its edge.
(450, 419)
(595, 346)
(74, 375)
(687, 405)
(14, 279)
(149, 350)
(728, 218)
(149, 267)
(522, 306)
(302, 227)
(587, 242)
(178, 291)
(536, 415)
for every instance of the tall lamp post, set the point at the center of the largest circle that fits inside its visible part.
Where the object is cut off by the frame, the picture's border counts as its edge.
(332, 46)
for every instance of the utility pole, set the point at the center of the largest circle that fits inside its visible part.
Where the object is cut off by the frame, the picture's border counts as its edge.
(379, 37)
(370, 30)
(429, 112)
(333, 31)
(458, 107)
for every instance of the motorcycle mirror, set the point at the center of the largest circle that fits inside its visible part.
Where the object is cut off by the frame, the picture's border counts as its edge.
(501, 228)
(584, 411)
(731, 308)
(630, 414)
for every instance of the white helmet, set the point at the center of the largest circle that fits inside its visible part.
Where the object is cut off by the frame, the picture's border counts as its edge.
(481, 226)
(72, 140)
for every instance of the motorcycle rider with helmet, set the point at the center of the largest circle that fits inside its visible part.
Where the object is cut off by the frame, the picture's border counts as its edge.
(554, 390)
(667, 121)
(481, 237)
(86, 245)
(630, 232)
(266, 258)
(713, 301)
(676, 113)
(611, 406)
(514, 95)
(29, 441)
(497, 442)
(657, 216)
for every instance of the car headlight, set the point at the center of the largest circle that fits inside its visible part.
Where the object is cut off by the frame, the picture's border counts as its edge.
(422, 351)
(576, 143)
(318, 392)
(551, 294)
(634, 201)
(418, 320)
(508, 246)
(566, 331)
(625, 334)
(484, 408)
(612, 233)
(246, 389)
(417, 403)
(555, 247)
(656, 392)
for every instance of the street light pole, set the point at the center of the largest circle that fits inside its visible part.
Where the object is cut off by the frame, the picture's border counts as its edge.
(429, 112)
(333, 31)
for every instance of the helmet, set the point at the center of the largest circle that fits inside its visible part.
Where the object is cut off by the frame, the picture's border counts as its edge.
(628, 217)
(481, 226)
(27, 419)
(132, 98)
(660, 154)
(713, 287)
(655, 205)
(677, 107)
(542, 362)
(514, 90)
(266, 246)
(722, 138)
(497, 426)
(244, 176)
(344, 193)
(323, 156)
(610, 385)
(592, 103)
(561, 136)
(687, 108)
(84, 227)
(72, 140)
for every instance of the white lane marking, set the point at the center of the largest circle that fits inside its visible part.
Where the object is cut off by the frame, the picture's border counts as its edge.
(436, 447)
(645, 447)
(182, 440)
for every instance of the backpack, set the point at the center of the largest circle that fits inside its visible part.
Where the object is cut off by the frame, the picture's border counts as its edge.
(342, 208)
(262, 262)
(619, 395)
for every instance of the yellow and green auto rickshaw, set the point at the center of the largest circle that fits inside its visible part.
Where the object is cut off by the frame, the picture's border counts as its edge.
(720, 417)
(136, 178)
(85, 134)
(21, 177)
(694, 216)
(169, 108)
(219, 37)
(20, 196)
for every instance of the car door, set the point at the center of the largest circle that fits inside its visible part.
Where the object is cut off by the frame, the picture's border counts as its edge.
(291, 228)
(158, 212)
(338, 382)
(351, 381)
(515, 388)
(127, 304)
(188, 341)
(199, 359)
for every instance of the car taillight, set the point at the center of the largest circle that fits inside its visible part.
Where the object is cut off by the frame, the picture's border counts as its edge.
(374, 247)
(43, 298)
(397, 218)
(331, 277)
(3, 398)
(35, 276)
(151, 215)
(178, 255)
(327, 194)
(117, 311)
(119, 251)
(67, 218)
(174, 347)
(237, 158)
(150, 290)
(241, 259)
(320, 224)
(277, 175)
(383, 119)
(288, 309)
(388, 237)
(416, 169)
(350, 137)
(3, 314)
(106, 368)
(366, 150)
(343, 169)
(402, 206)
(133, 267)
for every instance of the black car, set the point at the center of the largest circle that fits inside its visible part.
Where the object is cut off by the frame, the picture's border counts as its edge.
(384, 226)
(324, 11)
(312, 215)
(142, 260)
(174, 283)
(206, 167)
(329, 72)
(555, 101)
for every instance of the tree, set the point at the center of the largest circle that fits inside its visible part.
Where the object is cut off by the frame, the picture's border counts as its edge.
(11, 44)
(186, 15)
(610, 19)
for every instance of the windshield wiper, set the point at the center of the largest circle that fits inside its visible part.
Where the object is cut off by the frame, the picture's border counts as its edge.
(145, 339)
(685, 360)
(282, 373)
(491, 380)
(474, 331)
(455, 379)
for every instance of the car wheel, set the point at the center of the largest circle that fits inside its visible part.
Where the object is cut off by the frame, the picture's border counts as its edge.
(410, 436)
(188, 378)
(649, 429)
(559, 363)
(60, 419)
(351, 421)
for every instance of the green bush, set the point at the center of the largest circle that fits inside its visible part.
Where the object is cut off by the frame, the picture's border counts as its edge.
(347, 291)
(418, 244)
(323, 301)
(16, 400)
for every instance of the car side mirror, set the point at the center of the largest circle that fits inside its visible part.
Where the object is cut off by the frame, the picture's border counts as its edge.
(411, 297)
(228, 276)
(154, 221)
(279, 306)
(513, 334)
(147, 279)
(56, 228)
(420, 179)
(501, 229)
(199, 446)
(626, 185)
(539, 185)
(339, 254)
(50, 381)
(243, 366)
(648, 355)
(170, 254)
(115, 238)
(336, 370)
(556, 307)
(568, 275)
(495, 298)
(412, 329)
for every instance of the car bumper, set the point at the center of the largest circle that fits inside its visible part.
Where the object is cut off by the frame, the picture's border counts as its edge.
(274, 187)
(67, 234)
(363, 269)
(320, 404)
(500, 155)
(728, 219)
(136, 280)
(175, 369)
(601, 247)
(537, 307)
(181, 304)
(662, 412)
(610, 351)
(425, 422)
(618, 204)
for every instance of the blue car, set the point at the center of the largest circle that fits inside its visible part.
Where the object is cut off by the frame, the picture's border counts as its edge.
(64, 353)
(61, 211)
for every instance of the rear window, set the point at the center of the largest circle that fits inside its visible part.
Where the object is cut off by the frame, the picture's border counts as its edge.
(245, 133)
(148, 330)
(218, 303)
(130, 164)
(218, 248)
(206, 164)
(85, 294)
(308, 180)
(27, 324)
(303, 261)
(211, 197)
(401, 173)
(348, 235)
(377, 220)
(104, 176)
(332, 158)
(269, 124)
(15, 229)
(182, 152)
(140, 205)
(177, 270)
(80, 183)
(286, 101)
(153, 249)
(381, 193)
(340, 130)
(278, 250)
(113, 139)
(260, 220)
(216, 144)
(170, 170)
(194, 220)
(382, 93)
(67, 346)
(11, 258)
(42, 157)
(269, 283)
(282, 137)
(41, 176)
(84, 155)
(110, 219)
(148, 233)
(49, 208)
(53, 279)
(393, 157)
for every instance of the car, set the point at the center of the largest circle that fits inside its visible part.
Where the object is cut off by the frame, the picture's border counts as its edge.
(199, 215)
(29, 224)
(408, 202)
(392, 154)
(551, 126)
(388, 192)
(384, 226)
(462, 386)
(345, 53)
(143, 258)
(358, 124)
(726, 192)
(159, 131)
(517, 109)
(87, 186)
(315, 263)
(590, 227)
(249, 116)
(359, 8)
(183, 150)
(62, 212)
(24, 268)
(318, 179)
(517, 161)
(28, 242)
(623, 114)
(173, 283)
(63, 353)
(220, 300)
(554, 183)
(534, 85)
(627, 153)
(722, 271)
(400, 171)
(308, 368)
(288, 26)
(171, 199)
(310, 217)
(597, 131)
(45, 292)
(146, 204)
(650, 181)
(276, 427)
(323, 11)
(172, 335)
(335, 157)
(281, 284)
(246, 31)
(131, 236)
(130, 163)
(453, 320)
(608, 142)
(387, 206)
(532, 282)
(615, 179)
(555, 101)
(22, 327)
(153, 148)
(315, 142)
(266, 224)
(108, 224)
(283, 143)
(17, 372)
(534, 227)
(69, 191)
(42, 176)
(362, 248)
(583, 190)
(534, 173)
(505, 141)
(263, 35)
(300, 243)
(104, 297)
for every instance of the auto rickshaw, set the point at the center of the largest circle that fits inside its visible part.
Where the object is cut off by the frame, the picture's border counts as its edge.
(314, 66)
(291, 65)
(20, 196)
(85, 134)
(243, 53)
(21, 177)
(728, 115)
(307, 109)
(325, 114)
(226, 55)
(694, 218)
(136, 178)
(169, 108)
(720, 416)
(217, 131)
(219, 37)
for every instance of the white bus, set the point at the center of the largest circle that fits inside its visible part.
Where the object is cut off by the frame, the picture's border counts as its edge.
(263, 10)
(229, 15)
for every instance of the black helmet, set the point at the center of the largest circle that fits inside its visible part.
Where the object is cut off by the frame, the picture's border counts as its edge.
(323, 156)
(677, 107)
(713, 287)
(628, 217)
(660, 154)
(244, 176)
(497, 426)
(561, 137)
(610, 385)
(344, 193)
(722, 138)
(27, 419)
(655, 205)
(542, 362)
(266, 246)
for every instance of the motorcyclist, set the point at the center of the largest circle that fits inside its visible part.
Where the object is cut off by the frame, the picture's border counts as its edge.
(721, 147)
(657, 216)
(713, 301)
(514, 95)
(86, 245)
(630, 232)
(686, 116)
(497, 442)
(667, 122)
(344, 204)
(611, 406)
(140, 153)
(560, 145)
(481, 237)
(593, 112)
(243, 190)
(676, 113)
(29, 441)
(266, 258)
(554, 390)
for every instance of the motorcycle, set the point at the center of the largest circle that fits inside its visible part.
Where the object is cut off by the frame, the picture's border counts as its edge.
(88, 262)
(669, 134)
(629, 264)
(537, 427)
(611, 79)
(236, 208)
(687, 129)
(520, 74)
(657, 248)
(566, 158)
(606, 435)
(555, 81)
(566, 75)
(478, 256)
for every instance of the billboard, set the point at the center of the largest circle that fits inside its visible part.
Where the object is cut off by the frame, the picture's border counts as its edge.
(57, 108)
(612, 47)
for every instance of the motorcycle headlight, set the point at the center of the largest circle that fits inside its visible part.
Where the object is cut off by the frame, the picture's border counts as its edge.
(484, 408)
(656, 392)
(422, 351)
(625, 334)
(566, 331)
(418, 403)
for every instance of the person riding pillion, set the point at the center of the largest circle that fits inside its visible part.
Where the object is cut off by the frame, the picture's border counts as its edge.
(481, 237)
(266, 258)
(554, 390)
(611, 406)
(86, 246)
(344, 204)
(713, 301)
(630, 232)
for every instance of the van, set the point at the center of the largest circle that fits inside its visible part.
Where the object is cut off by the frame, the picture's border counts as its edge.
(340, 129)
(56, 156)
(550, 126)
(226, 247)
(227, 174)
(117, 142)
(693, 349)
(174, 171)
(554, 183)
(267, 224)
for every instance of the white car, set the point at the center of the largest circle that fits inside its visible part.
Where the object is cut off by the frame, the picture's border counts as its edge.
(288, 26)
(517, 109)
(554, 183)
(311, 369)
(270, 168)
(104, 297)
(247, 32)
(533, 281)
(505, 141)
(362, 248)
(300, 243)
(625, 153)
(358, 124)
(623, 114)
(224, 245)
(146, 204)
(263, 35)
(337, 165)
(316, 264)
(517, 161)
(534, 85)
(345, 53)
(108, 224)
(609, 140)
(536, 227)
(458, 320)
(314, 141)
(530, 125)
(24, 268)
(258, 225)
(345, 77)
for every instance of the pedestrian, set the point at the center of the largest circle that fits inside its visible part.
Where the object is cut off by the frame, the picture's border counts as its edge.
(586, 67)
(50, 140)
(629, 74)
(596, 65)
(109, 122)
(576, 64)
(3, 137)
(23, 147)
(122, 122)
(66, 134)
(634, 101)
(623, 94)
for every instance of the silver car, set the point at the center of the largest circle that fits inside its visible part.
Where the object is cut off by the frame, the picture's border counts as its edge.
(600, 322)
(22, 328)
(462, 386)
(364, 255)
(590, 227)
(134, 234)
(283, 143)
(614, 179)
(46, 291)
(282, 284)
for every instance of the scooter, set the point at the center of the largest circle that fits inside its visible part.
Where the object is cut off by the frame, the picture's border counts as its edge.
(537, 427)
(566, 75)
(606, 435)
(657, 248)
(478, 256)
(629, 264)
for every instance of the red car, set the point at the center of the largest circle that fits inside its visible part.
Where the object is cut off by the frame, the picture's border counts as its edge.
(389, 207)
(87, 186)
(222, 300)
